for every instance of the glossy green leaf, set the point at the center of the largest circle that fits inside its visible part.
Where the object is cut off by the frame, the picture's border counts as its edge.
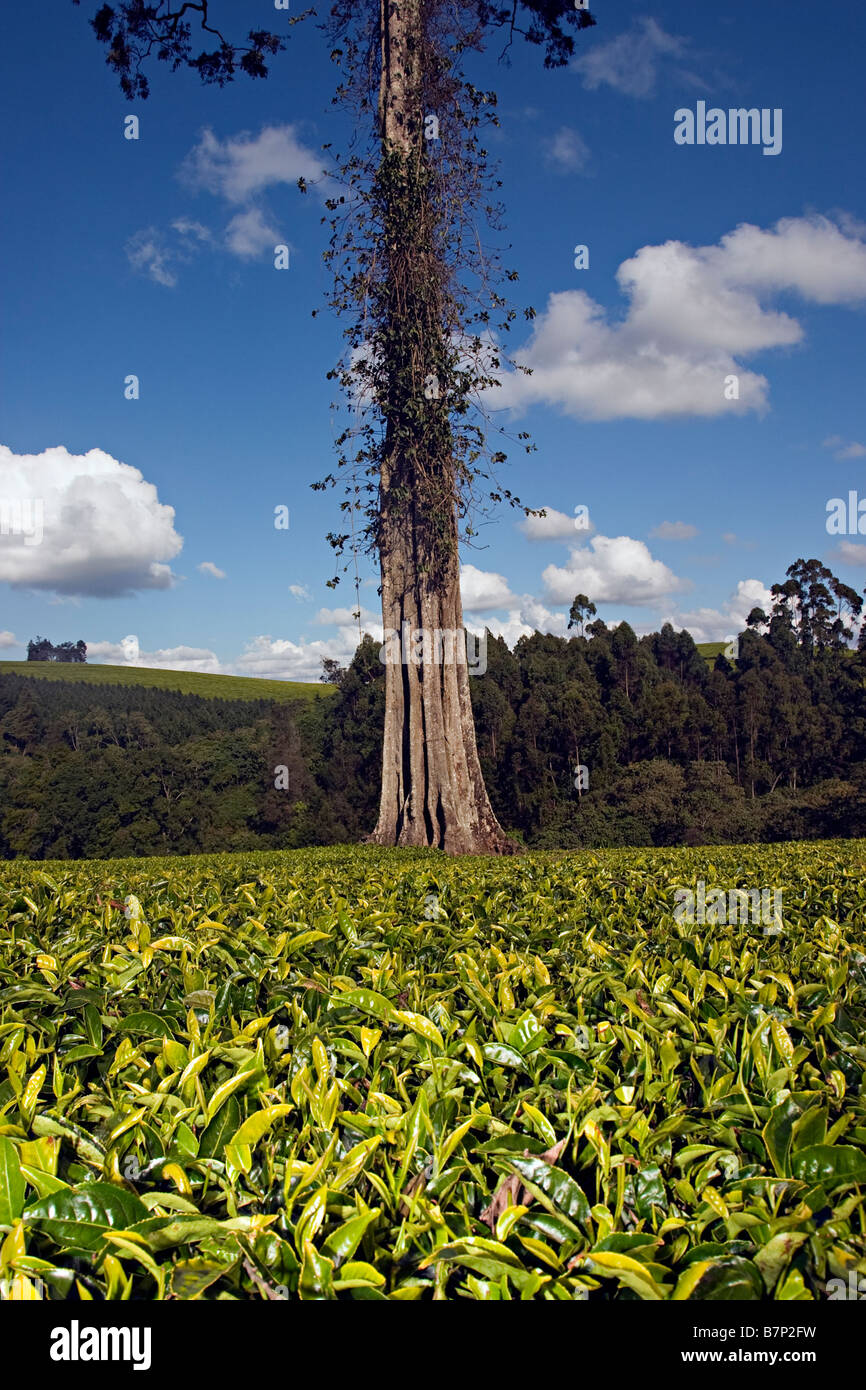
(344, 1241)
(369, 1002)
(12, 1185)
(191, 1278)
(830, 1164)
(79, 1217)
(258, 1124)
(149, 1024)
(731, 1280)
(219, 1131)
(547, 1181)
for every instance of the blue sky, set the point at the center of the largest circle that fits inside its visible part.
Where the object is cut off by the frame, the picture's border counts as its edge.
(154, 257)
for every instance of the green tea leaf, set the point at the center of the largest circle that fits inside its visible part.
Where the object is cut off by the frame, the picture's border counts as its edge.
(12, 1183)
(79, 1217)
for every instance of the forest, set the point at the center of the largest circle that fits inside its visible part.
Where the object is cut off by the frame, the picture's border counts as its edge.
(591, 740)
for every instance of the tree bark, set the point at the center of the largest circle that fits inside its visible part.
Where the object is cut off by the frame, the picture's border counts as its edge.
(433, 791)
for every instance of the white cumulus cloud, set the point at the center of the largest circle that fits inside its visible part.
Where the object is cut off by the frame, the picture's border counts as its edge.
(208, 567)
(482, 589)
(554, 526)
(243, 165)
(345, 617)
(105, 531)
(693, 314)
(249, 233)
(128, 653)
(611, 569)
(276, 658)
(715, 624)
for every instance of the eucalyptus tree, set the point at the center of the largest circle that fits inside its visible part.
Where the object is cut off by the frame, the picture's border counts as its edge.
(421, 291)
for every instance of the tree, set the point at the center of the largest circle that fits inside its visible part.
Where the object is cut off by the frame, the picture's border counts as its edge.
(757, 619)
(580, 610)
(332, 672)
(807, 603)
(40, 649)
(22, 728)
(850, 605)
(70, 651)
(803, 608)
(404, 246)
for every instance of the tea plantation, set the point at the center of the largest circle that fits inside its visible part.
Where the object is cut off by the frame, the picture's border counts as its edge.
(364, 1074)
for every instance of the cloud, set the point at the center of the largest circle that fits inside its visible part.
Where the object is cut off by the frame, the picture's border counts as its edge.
(749, 594)
(714, 624)
(692, 313)
(8, 639)
(345, 617)
(208, 567)
(630, 62)
(525, 618)
(264, 656)
(248, 234)
(674, 531)
(191, 230)
(849, 553)
(238, 169)
(731, 538)
(244, 165)
(843, 450)
(555, 526)
(482, 589)
(148, 252)
(159, 256)
(105, 531)
(163, 659)
(567, 150)
(300, 592)
(280, 659)
(612, 569)
(823, 260)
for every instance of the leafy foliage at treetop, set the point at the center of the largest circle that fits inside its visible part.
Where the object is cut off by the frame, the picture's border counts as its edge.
(230, 1078)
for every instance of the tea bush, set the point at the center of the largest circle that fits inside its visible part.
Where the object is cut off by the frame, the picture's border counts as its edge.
(354, 1073)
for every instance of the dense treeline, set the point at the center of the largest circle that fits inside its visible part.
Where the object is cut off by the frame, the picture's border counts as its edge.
(771, 746)
(122, 770)
(40, 649)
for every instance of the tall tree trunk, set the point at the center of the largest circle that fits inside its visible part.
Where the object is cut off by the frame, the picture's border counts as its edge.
(433, 792)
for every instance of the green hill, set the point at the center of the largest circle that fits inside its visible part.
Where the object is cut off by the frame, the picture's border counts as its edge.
(710, 650)
(187, 682)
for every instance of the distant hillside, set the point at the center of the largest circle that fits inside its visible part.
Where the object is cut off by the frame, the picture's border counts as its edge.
(196, 683)
(187, 682)
(710, 650)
